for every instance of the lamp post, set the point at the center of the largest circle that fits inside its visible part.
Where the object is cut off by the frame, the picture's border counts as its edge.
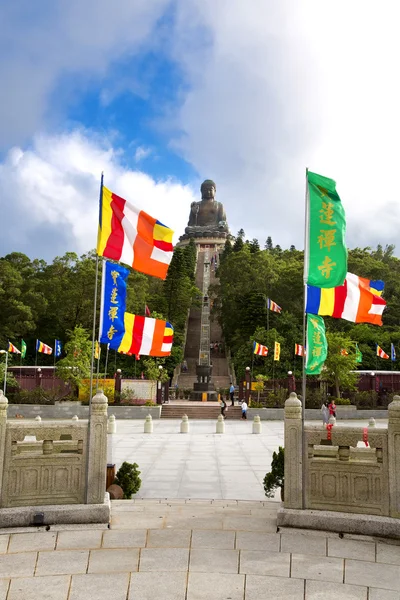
(247, 388)
(291, 382)
(159, 385)
(5, 371)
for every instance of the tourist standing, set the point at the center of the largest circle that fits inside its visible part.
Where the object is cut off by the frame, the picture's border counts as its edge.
(223, 407)
(232, 394)
(244, 410)
(332, 409)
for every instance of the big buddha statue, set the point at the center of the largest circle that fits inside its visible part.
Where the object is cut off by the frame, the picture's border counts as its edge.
(207, 217)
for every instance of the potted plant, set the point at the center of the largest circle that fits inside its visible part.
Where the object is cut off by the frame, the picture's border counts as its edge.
(128, 479)
(276, 477)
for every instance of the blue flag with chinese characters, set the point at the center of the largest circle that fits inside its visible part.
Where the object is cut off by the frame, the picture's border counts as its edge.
(57, 348)
(113, 304)
(392, 352)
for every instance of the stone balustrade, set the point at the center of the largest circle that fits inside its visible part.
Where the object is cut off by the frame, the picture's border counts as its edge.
(50, 462)
(342, 473)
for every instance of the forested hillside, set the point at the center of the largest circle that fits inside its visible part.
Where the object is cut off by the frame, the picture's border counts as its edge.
(249, 275)
(46, 301)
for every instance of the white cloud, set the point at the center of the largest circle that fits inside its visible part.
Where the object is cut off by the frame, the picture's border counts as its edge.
(277, 87)
(141, 153)
(40, 45)
(51, 194)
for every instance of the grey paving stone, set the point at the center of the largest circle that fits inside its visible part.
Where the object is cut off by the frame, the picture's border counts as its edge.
(356, 549)
(303, 543)
(319, 568)
(168, 538)
(164, 559)
(276, 588)
(250, 540)
(224, 540)
(261, 562)
(39, 588)
(74, 540)
(152, 586)
(379, 594)
(387, 553)
(131, 520)
(318, 590)
(204, 560)
(31, 542)
(249, 523)
(372, 574)
(99, 586)
(4, 583)
(114, 560)
(186, 521)
(215, 586)
(4, 539)
(17, 565)
(117, 538)
(63, 562)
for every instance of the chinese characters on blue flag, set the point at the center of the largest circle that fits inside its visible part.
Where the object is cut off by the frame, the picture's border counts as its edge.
(113, 304)
(57, 348)
(392, 352)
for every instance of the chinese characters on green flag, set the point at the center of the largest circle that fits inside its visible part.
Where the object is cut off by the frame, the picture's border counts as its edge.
(23, 349)
(317, 346)
(327, 261)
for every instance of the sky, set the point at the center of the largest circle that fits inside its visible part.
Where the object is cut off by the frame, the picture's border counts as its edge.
(161, 95)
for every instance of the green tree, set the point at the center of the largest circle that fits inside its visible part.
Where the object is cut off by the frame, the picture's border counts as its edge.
(76, 364)
(341, 360)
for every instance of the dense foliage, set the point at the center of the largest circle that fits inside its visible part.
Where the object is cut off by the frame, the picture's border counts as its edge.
(47, 301)
(248, 276)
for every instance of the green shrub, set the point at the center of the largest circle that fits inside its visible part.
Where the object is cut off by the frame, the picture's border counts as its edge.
(342, 401)
(366, 399)
(186, 393)
(149, 403)
(128, 479)
(255, 404)
(276, 477)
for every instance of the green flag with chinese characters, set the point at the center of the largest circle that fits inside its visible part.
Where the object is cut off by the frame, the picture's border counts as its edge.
(317, 346)
(327, 260)
(359, 356)
(23, 349)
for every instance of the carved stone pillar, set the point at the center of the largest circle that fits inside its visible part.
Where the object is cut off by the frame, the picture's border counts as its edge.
(394, 457)
(3, 426)
(97, 460)
(293, 453)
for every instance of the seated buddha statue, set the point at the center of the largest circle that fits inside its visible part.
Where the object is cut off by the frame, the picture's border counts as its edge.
(208, 215)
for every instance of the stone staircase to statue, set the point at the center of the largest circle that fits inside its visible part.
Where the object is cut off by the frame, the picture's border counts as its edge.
(220, 372)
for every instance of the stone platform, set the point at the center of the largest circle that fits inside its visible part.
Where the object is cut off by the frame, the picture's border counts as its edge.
(195, 550)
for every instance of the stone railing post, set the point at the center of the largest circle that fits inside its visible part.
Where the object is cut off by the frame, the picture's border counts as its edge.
(293, 453)
(97, 459)
(3, 426)
(394, 457)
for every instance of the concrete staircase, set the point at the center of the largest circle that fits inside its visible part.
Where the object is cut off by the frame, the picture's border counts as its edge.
(220, 376)
(197, 411)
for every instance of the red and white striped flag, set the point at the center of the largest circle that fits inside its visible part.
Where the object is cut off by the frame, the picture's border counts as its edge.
(299, 350)
(273, 306)
(12, 348)
(380, 352)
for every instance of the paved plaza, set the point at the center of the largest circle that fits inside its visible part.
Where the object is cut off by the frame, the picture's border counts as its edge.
(200, 464)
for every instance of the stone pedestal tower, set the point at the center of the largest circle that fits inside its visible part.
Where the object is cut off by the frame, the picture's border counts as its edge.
(208, 227)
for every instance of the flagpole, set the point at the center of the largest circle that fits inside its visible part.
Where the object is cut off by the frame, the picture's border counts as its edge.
(36, 355)
(106, 366)
(93, 344)
(5, 374)
(304, 376)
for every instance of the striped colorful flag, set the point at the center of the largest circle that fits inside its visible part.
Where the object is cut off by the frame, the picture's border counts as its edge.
(13, 349)
(131, 236)
(273, 306)
(357, 300)
(344, 352)
(380, 352)
(299, 350)
(43, 348)
(260, 349)
(146, 336)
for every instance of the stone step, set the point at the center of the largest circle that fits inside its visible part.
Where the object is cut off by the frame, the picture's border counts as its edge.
(208, 411)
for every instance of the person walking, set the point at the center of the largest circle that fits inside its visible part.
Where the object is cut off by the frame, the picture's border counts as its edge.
(325, 414)
(244, 410)
(232, 394)
(223, 407)
(332, 409)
